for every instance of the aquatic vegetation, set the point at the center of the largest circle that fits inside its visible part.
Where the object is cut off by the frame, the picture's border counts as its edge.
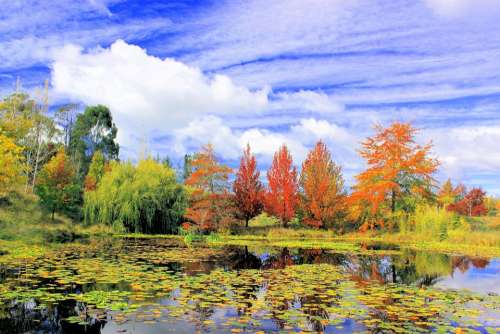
(160, 280)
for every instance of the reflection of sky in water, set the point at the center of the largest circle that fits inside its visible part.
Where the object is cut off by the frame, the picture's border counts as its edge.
(483, 280)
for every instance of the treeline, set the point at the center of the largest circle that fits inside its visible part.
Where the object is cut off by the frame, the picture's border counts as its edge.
(71, 162)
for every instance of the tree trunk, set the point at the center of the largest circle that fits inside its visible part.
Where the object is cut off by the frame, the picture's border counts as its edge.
(246, 222)
(53, 213)
(393, 201)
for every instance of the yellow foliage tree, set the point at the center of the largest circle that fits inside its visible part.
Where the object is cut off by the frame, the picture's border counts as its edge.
(11, 164)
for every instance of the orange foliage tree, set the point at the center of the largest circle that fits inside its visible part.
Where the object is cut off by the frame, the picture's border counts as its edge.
(399, 171)
(210, 202)
(248, 190)
(282, 198)
(323, 198)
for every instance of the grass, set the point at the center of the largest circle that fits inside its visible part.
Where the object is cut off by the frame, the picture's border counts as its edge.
(22, 219)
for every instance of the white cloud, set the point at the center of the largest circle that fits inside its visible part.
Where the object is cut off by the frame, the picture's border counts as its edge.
(467, 148)
(152, 96)
(146, 93)
(264, 143)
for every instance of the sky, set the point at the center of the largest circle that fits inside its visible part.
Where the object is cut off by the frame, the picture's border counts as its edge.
(177, 74)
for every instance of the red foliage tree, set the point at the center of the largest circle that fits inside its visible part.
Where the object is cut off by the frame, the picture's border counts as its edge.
(248, 190)
(210, 200)
(323, 198)
(281, 198)
(471, 205)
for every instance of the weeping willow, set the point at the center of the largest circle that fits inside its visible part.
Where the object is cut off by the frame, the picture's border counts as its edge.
(145, 198)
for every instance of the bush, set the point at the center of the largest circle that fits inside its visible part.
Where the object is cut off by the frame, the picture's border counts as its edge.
(264, 220)
(432, 222)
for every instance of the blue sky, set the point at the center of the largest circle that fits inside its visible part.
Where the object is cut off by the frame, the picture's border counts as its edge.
(179, 73)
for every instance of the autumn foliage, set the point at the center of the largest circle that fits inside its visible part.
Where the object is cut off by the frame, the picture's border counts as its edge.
(210, 203)
(56, 185)
(472, 204)
(248, 190)
(397, 167)
(11, 164)
(282, 197)
(323, 198)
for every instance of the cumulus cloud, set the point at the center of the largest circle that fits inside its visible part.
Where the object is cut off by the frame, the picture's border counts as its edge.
(299, 139)
(147, 93)
(466, 148)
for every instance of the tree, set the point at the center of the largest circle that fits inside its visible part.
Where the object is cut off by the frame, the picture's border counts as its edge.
(399, 173)
(145, 198)
(210, 205)
(11, 164)
(56, 185)
(93, 131)
(473, 204)
(281, 198)
(26, 122)
(322, 185)
(96, 171)
(448, 194)
(248, 189)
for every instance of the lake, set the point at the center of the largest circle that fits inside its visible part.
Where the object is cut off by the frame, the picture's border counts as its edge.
(163, 286)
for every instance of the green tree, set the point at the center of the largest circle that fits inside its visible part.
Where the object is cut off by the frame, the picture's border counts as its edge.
(93, 131)
(145, 198)
(56, 185)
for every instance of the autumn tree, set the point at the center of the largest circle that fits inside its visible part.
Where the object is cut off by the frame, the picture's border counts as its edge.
(248, 189)
(11, 164)
(399, 173)
(448, 194)
(473, 204)
(322, 185)
(210, 199)
(56, 186)
(281, 198)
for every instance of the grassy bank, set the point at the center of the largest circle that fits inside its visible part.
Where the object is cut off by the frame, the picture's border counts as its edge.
(22, 219)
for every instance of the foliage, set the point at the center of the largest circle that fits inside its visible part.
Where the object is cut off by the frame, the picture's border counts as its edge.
(432, 222)
(399, 171)
(323, 198)
(248, 190)
(211, 205)
(96, 171)
(281, 198)
(472, 204)
(448, 194)
(57, 187)
(93, 131)
(11, 164)
(144, 198)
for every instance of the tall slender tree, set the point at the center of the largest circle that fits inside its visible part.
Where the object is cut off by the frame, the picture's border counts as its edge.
(322, 185)
(282, 198)
(248, 189)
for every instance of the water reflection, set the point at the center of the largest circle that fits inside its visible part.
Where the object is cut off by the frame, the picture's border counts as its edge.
(248, 287)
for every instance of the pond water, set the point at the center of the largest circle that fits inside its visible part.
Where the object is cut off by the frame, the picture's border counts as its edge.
(162, 286)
